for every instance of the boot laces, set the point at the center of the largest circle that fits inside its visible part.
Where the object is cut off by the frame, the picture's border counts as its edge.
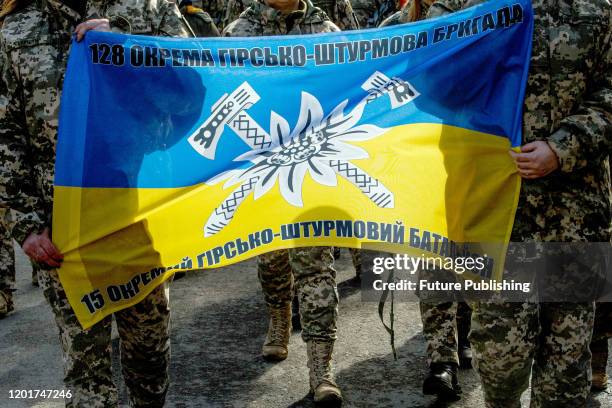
(279, 326)
(321, 355)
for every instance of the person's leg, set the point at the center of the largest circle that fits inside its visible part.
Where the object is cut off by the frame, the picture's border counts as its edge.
(86, 353)
(464, 320)
(276, 280)
(561, 372)
(504, 339)
(144, 331)
(7, 267)
(356, 258)
(315, 281)
(438, 315)
(440, 331)
(602, 330)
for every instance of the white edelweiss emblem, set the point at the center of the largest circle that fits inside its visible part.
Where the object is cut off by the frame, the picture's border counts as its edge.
(318, 145)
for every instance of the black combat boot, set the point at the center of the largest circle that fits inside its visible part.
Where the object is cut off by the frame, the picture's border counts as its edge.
(464, 348)
(442, 381)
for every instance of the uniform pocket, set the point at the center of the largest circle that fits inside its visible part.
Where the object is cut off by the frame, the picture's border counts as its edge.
(575, 39)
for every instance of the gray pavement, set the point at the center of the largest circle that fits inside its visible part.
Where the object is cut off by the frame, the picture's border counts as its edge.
(218, 319)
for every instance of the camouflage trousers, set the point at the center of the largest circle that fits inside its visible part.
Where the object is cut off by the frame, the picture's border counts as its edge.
(550, 341)
(442, 325)
(7, 262)
(444, 320)
(356, 258)
(144, 332)
(315, 286)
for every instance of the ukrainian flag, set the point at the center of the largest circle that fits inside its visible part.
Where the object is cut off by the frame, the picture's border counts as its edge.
(178, 154)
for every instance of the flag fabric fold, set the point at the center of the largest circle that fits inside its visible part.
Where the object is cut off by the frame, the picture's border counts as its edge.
(179, 154)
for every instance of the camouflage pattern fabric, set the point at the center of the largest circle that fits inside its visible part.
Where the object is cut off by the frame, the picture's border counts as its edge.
(507, 337)
(405, 14)
(315, 286)
(34, 45)
(7, 266)
(223, 12)
(356, 258)
(340, 12)
(442, 319)
(144, 330)
(260, 19)
(199, 22)
(311, 268)
(370, 13)
(441, 325)
(568, 104)
(150, 17)
(10, 6)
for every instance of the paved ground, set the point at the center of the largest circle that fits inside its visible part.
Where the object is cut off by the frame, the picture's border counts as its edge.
(218, 327)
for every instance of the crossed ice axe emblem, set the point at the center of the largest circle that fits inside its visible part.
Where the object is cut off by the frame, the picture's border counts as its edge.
(231, 110)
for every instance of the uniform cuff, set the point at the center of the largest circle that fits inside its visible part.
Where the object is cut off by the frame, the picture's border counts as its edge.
(24, 225)
(562, 142)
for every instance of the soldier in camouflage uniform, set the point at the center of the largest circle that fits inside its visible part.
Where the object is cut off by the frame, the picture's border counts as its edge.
(567, 122)
(312, 268)
(371, 13)
(340, 12)
(224, 12)
(199, 23)
(445, 325)
(34, 45)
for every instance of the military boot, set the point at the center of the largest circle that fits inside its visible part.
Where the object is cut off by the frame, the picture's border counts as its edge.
(599, 362)
(464, 349)
(275, 347)
(6, 303)
(322, 384)
(442, 381)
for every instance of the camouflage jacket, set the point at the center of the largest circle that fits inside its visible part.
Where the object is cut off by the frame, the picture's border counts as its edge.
(34, 45)
(260, 19)
(568, 103)
(224, 12)
(199, 23)
(370, 13)
(340, 12)
(403, 16)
